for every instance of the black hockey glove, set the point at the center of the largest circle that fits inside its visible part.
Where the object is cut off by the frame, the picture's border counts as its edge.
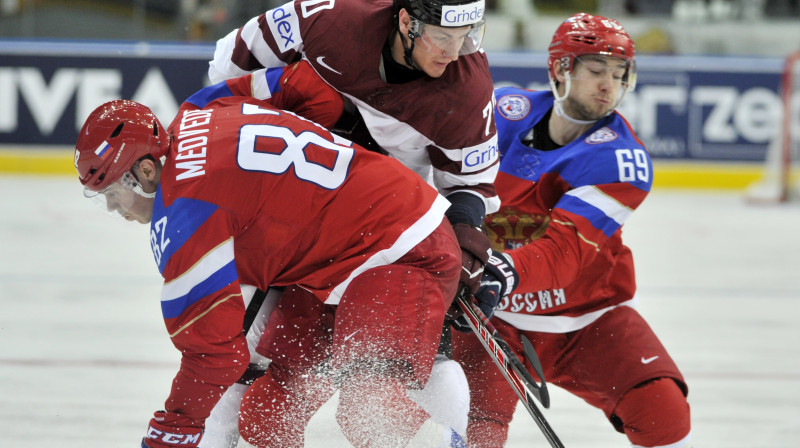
(499, 280)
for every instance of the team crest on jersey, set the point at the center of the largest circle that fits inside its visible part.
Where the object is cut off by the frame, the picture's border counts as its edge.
(514, 107)
(601, 135)
(509, 228)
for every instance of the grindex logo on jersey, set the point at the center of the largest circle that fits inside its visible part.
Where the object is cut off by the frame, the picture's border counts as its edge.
(174, 438)
(479, 157)
(284, 26)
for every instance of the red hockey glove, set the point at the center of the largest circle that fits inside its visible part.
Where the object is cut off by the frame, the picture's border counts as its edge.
(162, 436)
(475, 251)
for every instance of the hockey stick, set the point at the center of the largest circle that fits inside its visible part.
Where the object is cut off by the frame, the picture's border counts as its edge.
(253, 308)
(253, 371)
(520, 380)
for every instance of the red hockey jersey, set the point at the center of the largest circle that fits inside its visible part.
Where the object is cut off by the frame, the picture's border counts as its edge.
(255, 195)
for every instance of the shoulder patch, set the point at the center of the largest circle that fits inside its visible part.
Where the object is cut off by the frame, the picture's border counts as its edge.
(601, 135)
(514, 107)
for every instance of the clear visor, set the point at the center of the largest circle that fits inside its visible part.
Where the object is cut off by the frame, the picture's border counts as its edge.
(450, 41)
(614, 69)
(119, 198)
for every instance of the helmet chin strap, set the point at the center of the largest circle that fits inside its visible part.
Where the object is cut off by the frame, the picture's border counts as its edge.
(140, 192)
(408, 50)
(136, 186)
(558, 104)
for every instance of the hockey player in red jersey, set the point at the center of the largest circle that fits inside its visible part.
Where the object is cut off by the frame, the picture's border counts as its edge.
(571, 173)
(251, 194)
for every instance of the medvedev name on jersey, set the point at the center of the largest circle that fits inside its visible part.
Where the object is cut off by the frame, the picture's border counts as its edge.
(461, 15)
(192, 142)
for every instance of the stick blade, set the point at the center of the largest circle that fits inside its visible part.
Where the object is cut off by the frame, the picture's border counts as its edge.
(533, 359)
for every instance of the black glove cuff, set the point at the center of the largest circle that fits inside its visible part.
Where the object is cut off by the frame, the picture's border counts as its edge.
(500, 267)
(465, 208)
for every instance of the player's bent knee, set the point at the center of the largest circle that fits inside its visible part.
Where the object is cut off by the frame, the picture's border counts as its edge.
(654, 414)
(487, 433)
(374, 410)
(270, 416)
(489, 419)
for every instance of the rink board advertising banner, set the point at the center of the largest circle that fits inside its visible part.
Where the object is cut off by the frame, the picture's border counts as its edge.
(697, 108)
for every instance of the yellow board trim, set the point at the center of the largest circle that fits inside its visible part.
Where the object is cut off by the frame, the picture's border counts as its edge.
(38, 160)
(668, 174)
(706, 175)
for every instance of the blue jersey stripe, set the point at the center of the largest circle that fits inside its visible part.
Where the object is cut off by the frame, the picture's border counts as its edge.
(597, 217)
(273, 76)
(172, 226)
(208, 94)
(218, 280)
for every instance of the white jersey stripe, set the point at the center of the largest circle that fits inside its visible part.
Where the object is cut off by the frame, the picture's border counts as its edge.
(260, 85)
(557, 324)
(407, 240)
(613, 209)
(212, 262)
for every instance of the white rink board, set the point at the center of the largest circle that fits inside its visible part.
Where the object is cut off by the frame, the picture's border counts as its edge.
(85, 358)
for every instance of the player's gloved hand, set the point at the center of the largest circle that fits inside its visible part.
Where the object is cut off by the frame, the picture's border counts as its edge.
(499, 280)
(475, 251)
(160, 435)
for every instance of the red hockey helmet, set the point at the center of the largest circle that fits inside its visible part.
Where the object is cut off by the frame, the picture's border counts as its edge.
(584, 34)
(113, 138)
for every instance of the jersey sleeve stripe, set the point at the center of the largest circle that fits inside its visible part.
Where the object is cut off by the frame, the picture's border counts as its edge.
(255, 34)
(208, 94)
(612, 208)
(595, 216)
(218, 280)
(212, 273)
(266, 83)
(200, 316)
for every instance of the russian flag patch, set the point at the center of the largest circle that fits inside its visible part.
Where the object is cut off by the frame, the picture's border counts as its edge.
(102, 149)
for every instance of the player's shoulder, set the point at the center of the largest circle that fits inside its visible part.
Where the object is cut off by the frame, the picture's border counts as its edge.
(469, 73)
(466, 85)
(351, 17)
(615, 132)
(516, 91)
(611, 153)
(515, 104)
(176, 217)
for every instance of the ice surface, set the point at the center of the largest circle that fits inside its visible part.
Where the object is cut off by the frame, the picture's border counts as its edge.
(85, 358)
